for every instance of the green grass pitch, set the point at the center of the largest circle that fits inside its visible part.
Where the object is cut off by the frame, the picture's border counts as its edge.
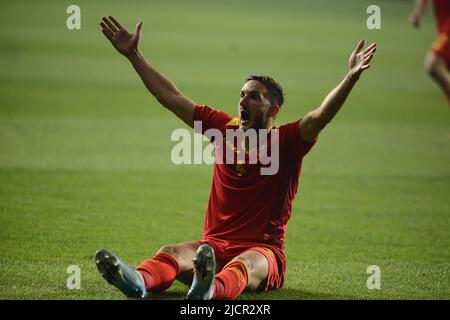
(85, 150)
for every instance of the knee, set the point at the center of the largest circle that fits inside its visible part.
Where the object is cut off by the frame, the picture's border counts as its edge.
(246, 261)
(255, 276)
(431, 65)
(431, 71)
(430, 68)
(170, 250)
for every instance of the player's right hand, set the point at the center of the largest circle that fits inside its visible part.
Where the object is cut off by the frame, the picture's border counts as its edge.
(126, 43)
(360, 59)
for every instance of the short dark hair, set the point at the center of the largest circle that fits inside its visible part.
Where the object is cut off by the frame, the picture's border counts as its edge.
(276, 94)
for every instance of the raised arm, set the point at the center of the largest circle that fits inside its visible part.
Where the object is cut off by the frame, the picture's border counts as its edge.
(159, 86)
(313, 122)
(417, 12)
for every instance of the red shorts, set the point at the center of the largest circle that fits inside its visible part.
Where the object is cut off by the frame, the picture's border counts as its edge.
(441, 47)
(228, 250)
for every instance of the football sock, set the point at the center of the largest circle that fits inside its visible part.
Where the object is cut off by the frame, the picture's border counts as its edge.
(159, 272)
(231, 281)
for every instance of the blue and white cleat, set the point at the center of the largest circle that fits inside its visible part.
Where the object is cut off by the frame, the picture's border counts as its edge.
(202, 287)
(126, 278)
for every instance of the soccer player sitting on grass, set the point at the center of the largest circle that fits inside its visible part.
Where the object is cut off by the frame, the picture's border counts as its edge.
(437, 61)
(243, 235)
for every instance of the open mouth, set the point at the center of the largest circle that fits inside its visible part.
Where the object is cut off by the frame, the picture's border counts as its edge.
(245, 116)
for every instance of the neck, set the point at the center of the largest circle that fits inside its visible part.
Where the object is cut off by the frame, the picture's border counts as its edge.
(269, 124)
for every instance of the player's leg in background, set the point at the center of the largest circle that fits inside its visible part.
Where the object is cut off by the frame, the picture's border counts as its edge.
(436, 65)
(249, 270)
(171, 262)
(437, 69)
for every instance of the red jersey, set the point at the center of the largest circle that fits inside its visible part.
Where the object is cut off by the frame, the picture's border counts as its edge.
(442, 11)
(245, 205)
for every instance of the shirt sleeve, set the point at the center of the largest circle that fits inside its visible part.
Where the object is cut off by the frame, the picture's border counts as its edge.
(292, 141)
(209, 118)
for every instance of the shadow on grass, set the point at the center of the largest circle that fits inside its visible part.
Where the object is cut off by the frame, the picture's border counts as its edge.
(294, 294)
(169, 295)
(280, 294)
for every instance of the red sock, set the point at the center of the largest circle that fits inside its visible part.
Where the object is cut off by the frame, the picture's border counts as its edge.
(159, 272)
(231, 281)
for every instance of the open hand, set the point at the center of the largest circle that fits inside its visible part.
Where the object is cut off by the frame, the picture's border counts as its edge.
(360, 60)
(126, 43)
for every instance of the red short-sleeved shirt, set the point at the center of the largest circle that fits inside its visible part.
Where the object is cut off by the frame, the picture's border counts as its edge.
(245, 205)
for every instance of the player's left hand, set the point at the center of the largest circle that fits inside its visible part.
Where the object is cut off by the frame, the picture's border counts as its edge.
(125, 42)
(414, 19)
(360, 59)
